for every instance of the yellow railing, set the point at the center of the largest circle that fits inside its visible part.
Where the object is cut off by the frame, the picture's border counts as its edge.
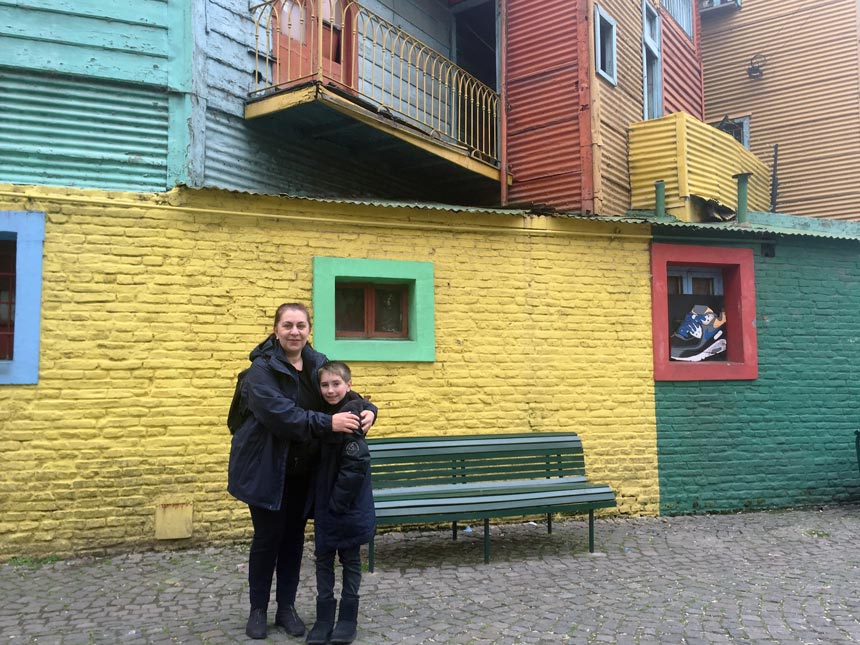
(340, 43)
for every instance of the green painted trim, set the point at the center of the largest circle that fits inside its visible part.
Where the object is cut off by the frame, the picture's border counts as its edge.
(179, 79)
(178, 139)
(421, 344)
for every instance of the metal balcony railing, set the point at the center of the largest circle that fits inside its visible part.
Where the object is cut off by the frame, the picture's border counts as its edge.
(341, 43)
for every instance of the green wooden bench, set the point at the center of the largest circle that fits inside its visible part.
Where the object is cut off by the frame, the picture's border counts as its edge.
(451, 478)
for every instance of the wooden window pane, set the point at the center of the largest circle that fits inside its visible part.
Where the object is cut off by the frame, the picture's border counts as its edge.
(675, 285)
(349, 309)
(389, 310)
(7, 298)
(703, 286)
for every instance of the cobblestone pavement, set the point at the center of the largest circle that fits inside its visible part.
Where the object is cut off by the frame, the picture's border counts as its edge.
(769, 577)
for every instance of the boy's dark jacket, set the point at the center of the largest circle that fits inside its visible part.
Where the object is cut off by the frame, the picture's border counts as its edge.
(259, 449)
(343, 512)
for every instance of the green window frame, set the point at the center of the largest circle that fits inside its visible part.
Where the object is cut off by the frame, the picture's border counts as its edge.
(420, 342)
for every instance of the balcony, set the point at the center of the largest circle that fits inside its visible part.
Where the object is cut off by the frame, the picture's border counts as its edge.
(698, 163)
(343, 72)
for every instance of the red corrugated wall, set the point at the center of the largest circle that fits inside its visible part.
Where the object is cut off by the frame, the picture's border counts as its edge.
(544, 140)
(682, 68)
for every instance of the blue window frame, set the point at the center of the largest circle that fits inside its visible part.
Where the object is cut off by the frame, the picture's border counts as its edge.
(652, 81)
(605, 45)
(682, 12)
(27, 230)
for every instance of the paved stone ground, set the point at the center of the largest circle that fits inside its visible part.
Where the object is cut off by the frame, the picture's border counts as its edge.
(769, 577)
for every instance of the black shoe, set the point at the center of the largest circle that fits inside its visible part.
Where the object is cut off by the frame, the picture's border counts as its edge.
(287, 618)
(346, 628)
(256, 627)
(321, 631)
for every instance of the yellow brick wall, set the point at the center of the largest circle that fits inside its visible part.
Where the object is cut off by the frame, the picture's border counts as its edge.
(151, 304)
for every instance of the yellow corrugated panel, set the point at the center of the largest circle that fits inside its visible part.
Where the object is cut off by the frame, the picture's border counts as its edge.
(694, 160)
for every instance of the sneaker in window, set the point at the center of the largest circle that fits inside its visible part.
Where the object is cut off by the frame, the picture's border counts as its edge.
(699, 336)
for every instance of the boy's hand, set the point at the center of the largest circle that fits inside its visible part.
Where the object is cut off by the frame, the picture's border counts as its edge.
(367, 420)
(345, 422)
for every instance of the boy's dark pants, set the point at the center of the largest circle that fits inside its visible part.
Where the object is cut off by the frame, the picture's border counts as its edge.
(279, 538)
(350, 560)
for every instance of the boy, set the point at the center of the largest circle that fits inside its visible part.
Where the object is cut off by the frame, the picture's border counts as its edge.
(344, 516)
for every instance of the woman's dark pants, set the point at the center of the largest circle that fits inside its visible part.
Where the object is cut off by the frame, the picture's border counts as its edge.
(279, 538)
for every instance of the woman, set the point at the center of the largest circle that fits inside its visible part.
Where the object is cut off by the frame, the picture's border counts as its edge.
(272, 457)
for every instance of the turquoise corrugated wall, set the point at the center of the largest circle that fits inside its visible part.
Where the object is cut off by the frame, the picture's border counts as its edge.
(94, 94)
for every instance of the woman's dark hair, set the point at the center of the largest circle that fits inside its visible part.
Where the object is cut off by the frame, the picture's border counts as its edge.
(297, 306)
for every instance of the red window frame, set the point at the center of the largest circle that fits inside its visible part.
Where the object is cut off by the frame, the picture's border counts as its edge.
(369, 330)
(7, 286)
(737, 266)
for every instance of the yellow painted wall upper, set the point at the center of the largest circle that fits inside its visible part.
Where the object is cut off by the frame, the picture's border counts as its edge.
(807, 100)
(151, 304)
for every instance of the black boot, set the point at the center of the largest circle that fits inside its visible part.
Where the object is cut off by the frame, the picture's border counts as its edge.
(287, 618)
(256, 627)
(346, 628)
(321, 631)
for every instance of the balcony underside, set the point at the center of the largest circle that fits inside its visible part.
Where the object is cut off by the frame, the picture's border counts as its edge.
(373, 137)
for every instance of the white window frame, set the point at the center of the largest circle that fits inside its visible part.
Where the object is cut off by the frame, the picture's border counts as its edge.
(682, 12)
(651, 45)
(606, 66)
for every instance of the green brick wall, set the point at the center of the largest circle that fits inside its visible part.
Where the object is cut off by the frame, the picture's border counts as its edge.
(786, 438)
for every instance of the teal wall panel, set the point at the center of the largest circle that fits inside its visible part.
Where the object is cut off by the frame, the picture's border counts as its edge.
(91, 133)
(786, 438)
(98, 94)
(120, 40)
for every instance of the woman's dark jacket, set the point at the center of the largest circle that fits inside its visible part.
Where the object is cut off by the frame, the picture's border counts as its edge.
(344, 515)
(258, 453)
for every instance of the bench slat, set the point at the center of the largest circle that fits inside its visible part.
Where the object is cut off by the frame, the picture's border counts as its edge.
(500, 500)
(483, 488)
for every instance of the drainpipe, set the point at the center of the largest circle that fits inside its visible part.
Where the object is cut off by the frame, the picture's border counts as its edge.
(503, 99)
(660, 198)
(317, 26)
(857, 445)
(743, 195)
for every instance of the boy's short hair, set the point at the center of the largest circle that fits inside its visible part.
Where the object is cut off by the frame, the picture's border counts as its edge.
(336, 367)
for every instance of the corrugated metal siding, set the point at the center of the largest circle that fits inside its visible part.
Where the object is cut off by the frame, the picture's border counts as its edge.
(542, 89)
(79, 132)
(694, 159)
(620, 105)
(808, 101)
(119, 40)
(682, 67)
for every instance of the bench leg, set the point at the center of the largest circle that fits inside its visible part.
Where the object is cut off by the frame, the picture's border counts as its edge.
(591, 530)
(549, 522)
(486, 540)
(370, 560)
(453, 530)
